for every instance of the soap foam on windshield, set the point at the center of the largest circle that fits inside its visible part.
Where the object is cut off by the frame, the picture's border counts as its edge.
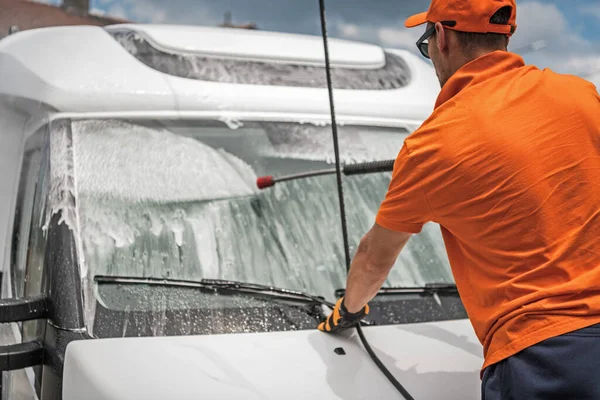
(138, 163)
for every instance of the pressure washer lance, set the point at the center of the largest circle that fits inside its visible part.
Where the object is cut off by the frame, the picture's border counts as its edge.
(264, 182)
(351, 169)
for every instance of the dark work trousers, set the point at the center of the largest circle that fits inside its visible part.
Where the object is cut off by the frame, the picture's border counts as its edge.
(565, 367)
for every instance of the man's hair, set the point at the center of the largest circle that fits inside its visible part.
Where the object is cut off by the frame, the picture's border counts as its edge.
(471, 41)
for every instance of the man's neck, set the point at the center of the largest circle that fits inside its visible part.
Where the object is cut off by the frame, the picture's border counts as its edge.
(463, 59)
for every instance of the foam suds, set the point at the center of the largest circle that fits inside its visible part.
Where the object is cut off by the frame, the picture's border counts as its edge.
(62, 179)
(137, 163)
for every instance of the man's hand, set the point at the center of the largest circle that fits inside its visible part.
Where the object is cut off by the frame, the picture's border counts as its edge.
(375, 256)
(340, 319)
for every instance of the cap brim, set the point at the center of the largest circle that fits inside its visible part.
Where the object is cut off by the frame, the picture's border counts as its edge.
(416, 20)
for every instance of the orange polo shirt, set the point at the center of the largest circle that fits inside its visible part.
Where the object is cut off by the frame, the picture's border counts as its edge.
(509, 165)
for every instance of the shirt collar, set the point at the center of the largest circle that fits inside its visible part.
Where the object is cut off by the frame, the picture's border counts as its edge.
(478, 70)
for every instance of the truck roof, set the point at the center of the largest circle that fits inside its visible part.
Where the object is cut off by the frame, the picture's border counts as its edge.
(187, 69)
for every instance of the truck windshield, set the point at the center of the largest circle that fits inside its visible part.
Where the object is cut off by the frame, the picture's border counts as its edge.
(178, 199)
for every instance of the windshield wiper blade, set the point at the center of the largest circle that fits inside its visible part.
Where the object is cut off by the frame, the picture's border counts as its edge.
(222, 286)
(428, 289)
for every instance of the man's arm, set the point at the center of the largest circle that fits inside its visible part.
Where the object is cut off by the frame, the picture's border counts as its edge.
(375, 257)
(402, 213)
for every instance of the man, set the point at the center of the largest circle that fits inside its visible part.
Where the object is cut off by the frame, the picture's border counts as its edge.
(508, 165)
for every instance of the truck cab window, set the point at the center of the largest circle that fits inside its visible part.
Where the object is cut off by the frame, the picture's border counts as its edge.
(22, 222)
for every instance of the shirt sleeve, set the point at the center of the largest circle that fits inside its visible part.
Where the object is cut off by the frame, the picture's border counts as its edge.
(405, 207)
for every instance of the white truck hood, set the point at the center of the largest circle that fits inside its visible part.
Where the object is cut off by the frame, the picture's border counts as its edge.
(431, 360)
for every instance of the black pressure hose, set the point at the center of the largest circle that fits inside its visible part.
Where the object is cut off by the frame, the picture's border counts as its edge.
(382, 367)
(376, 359)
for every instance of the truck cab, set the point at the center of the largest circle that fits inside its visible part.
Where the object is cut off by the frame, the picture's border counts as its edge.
(141, 260)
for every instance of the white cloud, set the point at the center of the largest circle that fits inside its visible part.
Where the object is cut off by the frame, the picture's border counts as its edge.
(593, 10)
(118, 11)
(391, 35)
(51, 2)
(543, 21)
(583, 64)
(587, 67)
(395, 37)
(349, 31)
(564, 49)
(96, 3)
(151, 13)
(97, 11)
(176, 12)
(138, 10)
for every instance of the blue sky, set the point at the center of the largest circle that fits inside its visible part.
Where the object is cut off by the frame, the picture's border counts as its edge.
(570, 29)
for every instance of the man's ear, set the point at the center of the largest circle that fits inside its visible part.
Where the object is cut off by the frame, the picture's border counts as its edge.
(441, 38)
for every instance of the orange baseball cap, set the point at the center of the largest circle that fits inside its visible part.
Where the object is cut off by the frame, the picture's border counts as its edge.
(467, 15)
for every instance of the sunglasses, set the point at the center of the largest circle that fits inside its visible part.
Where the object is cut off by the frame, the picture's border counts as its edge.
(423, 42)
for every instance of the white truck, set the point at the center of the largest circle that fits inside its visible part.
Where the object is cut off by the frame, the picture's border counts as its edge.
(142, 262)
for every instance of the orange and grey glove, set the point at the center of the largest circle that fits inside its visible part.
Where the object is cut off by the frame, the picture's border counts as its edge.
(341, 319)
